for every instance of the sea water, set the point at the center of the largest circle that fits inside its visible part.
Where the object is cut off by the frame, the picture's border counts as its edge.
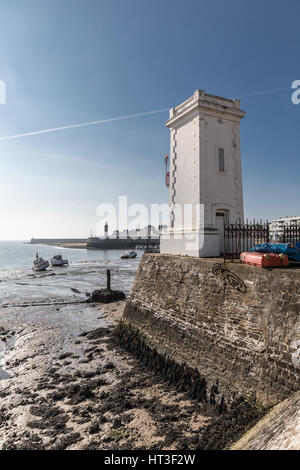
(86, 272)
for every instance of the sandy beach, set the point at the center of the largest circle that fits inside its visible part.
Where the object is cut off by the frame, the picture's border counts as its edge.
(71, 387)
(64, 381)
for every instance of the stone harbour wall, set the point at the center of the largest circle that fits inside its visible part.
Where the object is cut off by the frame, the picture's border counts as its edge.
(240, 331)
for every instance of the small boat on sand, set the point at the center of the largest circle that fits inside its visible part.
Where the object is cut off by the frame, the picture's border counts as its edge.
(57, 260)
(130, 254)
(152, 249)
(40, 264)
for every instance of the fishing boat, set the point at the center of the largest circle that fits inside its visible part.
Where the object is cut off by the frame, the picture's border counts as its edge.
(130, 254)
(57, 260)
(40, 264)
(152, 249)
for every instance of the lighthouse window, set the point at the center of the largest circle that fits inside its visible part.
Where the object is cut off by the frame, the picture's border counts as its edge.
(221, 160)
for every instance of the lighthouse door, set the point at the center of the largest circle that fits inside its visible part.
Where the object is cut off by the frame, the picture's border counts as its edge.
(220, 221)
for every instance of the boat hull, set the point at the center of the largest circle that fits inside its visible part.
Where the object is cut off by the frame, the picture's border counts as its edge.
(56, 264)
(41, 266)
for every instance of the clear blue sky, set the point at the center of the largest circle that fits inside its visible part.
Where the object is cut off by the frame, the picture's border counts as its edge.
(71, 61)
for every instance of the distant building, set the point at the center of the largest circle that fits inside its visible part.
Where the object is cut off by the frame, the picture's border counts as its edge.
(277, 226)
(144, 232)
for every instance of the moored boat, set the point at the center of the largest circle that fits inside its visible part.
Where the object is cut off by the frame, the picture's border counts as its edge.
(152, 249)
(57, 260)
(130, 254)
(40, 264)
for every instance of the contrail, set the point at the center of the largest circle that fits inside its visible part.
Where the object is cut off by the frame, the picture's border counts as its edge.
(120, 118)
(83, 124)
(263, 92)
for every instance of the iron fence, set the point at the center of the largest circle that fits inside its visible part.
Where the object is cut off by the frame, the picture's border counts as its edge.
(241, 237)
(291, 234)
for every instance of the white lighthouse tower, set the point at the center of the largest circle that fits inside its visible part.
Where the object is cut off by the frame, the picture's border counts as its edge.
(205, 173)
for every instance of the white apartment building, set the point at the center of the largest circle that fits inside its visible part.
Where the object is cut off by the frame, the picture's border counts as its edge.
(277, 225)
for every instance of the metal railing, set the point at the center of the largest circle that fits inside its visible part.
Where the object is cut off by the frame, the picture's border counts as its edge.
(242, 237)
(291, 234)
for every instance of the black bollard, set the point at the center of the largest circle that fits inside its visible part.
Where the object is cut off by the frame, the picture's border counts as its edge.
(108, 279)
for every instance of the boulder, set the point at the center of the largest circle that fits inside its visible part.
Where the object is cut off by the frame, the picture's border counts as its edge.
(106, 296)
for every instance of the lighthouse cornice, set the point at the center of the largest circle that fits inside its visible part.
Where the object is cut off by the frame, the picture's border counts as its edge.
(207, 104)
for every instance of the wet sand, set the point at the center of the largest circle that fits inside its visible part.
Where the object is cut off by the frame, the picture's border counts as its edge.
(66, 383)
(72, 387)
